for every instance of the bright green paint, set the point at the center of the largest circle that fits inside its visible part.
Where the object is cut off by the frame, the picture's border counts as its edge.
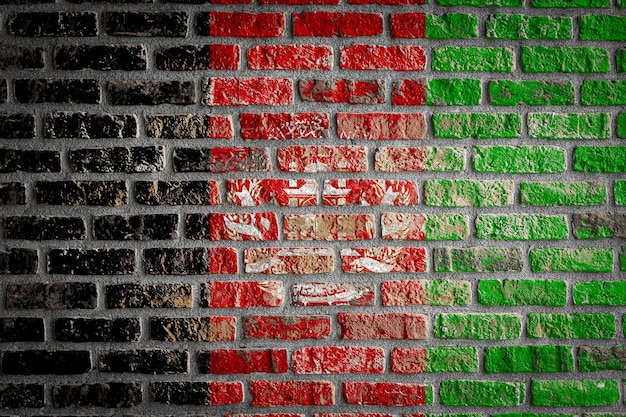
(451, 26)
(477, 125)
(446, 292)
(620, 192)
(453, 92)
(571, 326)
(478, 326)
(529, 359)
(564, 59)
(591, 359)
(573, 193)
(451, 359)
(565, 4)
(533, 93)
(602, 28)
(442, 159)
(522, 292)
(518, 159)
(481, 393)
(610, 293)
(574, 393)
(600, 158)
(519, 27)
(521, 227)
(603, 93)
(446, 227)
(569, 126)
(472, 59)
(571, 260)
(468, 193)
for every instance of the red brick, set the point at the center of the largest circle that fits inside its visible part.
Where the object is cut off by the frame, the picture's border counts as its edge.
(284, 193)
(248, 91)
(408, 25)
(345, 192)
(408, 360)
(338, 360)
(343, 91)
(239, 159)
(284, 125)
(224, 57)
(243, 294)
(283, 393)
(393, 326)
(243, 361)
(379, 57)
(330, 24)
(381, 126)
(403, 159)
(290, 57)
(384, 393)
(383, 259)
(333, 294)
(409, 93)
(223, 261)
(286, 327)
(403, 226)
(288, 260)
(243, 226)
(322, 158)
(246, 25)
(225, 392)
(329, 226)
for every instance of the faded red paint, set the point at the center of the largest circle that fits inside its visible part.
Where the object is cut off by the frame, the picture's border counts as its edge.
(384, 393)
(284, 193)
(284, 393)
(235, 159)
(403, 292)
(286, 327)
(409, 93)
(400, 159)
(248, 91)
(243, 226)
(288, 260)
(244, 294)
(345, 192)
(338, 360)
(343, 91)
(403, 226)
(408, 25)
(392, 326)
(329, 226)
(408, 360)
(380, 126)
(284, 125)
(322, 158)
(383, 259)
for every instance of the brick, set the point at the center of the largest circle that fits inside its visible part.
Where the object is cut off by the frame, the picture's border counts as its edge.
(386, 326)
(380, 126)
(521, 227)
(118, 159)
(574, 393)
(533, 93)
(537, 59)
(342, 91)
(529, 359)
(53, 24)
(518, 159)
(599, 293)
(12, 194)
(3, 91)
(17, 126)
(569, 126)
(620, 58)
(52, 296)
(423, 292)
(383, 259)
(42, 362)
(477, 259)
(592, 359)
(311, 294)
(175, 193)
(603, 93)
(151, 93)
(619, 191)
(190, 261)
(108, 395)
(21, 395)
(566, 193)
(107, 330)
(198, 57)
(437, 92)
(342, 192)
(136, 227)
(468, 193)
(602, 28)
(473, 59)
(189, 126)
(22, 329)
(288, 393)
(407, 226)
(281, 126)
(522, 292)
(478, 326)
(338, 360)
(247, 91)
(167, 24)
(243, 361)
(293, 327)
(148, 296)
(450, 26)
(332, 24)
(332, 227)
(241, 25)
(92, 261)
(81, 125)
(193, 329)
(477, 125)
(621, 125)
(388, 394)
(18, 261)
(295, 3)
(44, 228)
(600, 159)
(570, 4)
(388, 2)
(322, 158)
(232, 226)
(16, 160)
(42, 90)
(599, 225)
(419, 159)
(100, 57)
(434, 359)
(481, 393)
(481, 3)
(379, 57)
(197, 393)
(21, 57)
(571, 326)
(521, 27)
(242, 294)
(288, 260)
(290, 57)
(145, 361)
(571, 260)
(281, 192)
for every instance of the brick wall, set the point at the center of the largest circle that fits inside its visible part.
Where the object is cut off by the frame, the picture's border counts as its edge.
(313, 207)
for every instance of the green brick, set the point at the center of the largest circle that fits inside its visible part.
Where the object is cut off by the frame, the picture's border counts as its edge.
(519, 27)
(444, 159)
(609, 293)
(591, 359)
(620, 192)
(453, 92)
(453, 415)
(566, 4)
(570, 193)
(451, 359)
(533, 93)
(574, 393)
(569, 126)
(571, 326)
(468, 193)
(602, 28)
(446, 292)
(531, 415)
(518, 159)
(446, 227)
(482, 3)
(599, 225)
(481, 393)
(473, 59)
(521, 227)
(477, 259)
(477, 125)
(603, 93)
(621, 125)
(620, 60)
(622, 259)
(451, 26)
(529, 359)
(478, 326)
(522, 292)
(571, 260)
(600, 159)
(564, 59)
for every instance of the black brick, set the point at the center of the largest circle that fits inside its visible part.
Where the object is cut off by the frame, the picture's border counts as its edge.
(183, 329)
(177, 261)
(21, 395)
(18, 261)
(151, 92)
(109, 395)
(57, 91)
(139, 227)
(12, 194)
(176, 193)
(53, 24)
(92, 261)
(197, 226)
(42, 362)
(100, 57)
(52, 296)
(14, 160)
(26, 1)
(170, 24)
(44, 228)
(97, 330)
(187, 126)
(217, 160)
(90, 126)
(148, 296)
(145, 361)
(192, 160)
(20, 57)
(184, 58)
(17, 126)
(196, 393)
(118, 159)
(21, 329)
(78, 193)
(3, 91)
(111, 1)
